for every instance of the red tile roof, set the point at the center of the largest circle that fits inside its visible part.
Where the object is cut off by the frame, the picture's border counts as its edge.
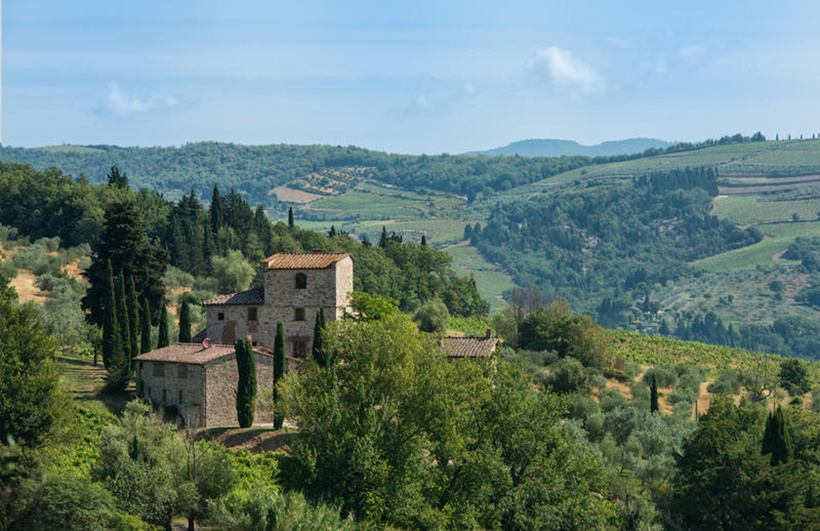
(193, 353)
(304, 260)
(468, 347)
(252, 296)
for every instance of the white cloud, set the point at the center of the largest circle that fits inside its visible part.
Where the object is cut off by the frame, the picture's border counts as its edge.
(565, 69)
(121, 103)
(693, 53)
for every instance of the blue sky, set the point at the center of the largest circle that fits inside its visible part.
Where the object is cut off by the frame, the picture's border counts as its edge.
(406, 77)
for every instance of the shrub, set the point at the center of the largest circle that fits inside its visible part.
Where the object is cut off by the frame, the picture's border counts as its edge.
(611, 399)
(51, 245)
(8, 270)
(728, 383)
(177, 278)
(432, 317)
(621, 376)
(665, 376)
(568, 376)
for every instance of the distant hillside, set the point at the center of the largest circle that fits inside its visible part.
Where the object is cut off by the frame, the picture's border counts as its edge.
(556, 148)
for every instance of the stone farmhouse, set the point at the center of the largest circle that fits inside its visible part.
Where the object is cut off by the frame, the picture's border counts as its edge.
(296, 286)
(469, 347)
(200, 380)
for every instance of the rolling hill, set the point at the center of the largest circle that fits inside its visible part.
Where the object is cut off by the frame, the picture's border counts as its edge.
(559, 148)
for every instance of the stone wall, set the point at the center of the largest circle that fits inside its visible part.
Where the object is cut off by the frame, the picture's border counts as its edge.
(221, 379)
(209, 391)
(234, 324)
(184, 377)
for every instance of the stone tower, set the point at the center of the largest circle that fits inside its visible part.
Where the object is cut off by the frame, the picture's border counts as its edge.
(296, 286)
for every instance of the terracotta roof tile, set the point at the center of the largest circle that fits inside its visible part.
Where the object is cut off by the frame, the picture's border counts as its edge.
(193, 353)
(252, 296)
(468, 347)
(304, 260)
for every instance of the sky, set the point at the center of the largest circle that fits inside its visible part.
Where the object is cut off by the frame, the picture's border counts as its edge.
(406, 77)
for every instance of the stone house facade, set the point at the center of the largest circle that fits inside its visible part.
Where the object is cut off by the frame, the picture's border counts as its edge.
(296, 286)
(200, 380)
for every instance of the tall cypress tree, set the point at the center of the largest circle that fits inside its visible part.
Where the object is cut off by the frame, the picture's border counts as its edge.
(133, 317)
(145, 326)
(776, 439)
(318, 340)
(122, 316)
(424, 240)
(216, 211)
(109, 326)
(383, 238)
(278, 372)
(164, 334)
(653, 395)
(246, 388)
(290, 217)
(185, 323)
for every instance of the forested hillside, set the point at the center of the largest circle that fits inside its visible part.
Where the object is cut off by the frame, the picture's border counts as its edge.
(608, 241)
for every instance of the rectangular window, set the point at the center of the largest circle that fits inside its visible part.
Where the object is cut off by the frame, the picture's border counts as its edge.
(299, 349)
(220, 316)
(251, 314)
(180, 397)
(182, 371)
(159, 370)
(299, 314)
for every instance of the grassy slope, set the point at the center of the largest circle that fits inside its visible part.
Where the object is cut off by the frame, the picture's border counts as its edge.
(490, 280)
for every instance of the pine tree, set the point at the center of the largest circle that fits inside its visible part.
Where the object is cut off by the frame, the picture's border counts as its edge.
(290, 217)
(653, 395)
(133, 317)
(278, 372)
(318, 340)
(164, 334)
(246, 388)
(145, 325)
(185, 323)
(110, 328)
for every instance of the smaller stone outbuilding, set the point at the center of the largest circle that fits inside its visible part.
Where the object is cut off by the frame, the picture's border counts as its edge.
(200, 380)
(469, 347)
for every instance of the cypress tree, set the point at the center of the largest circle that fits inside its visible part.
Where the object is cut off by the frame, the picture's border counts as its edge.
(246, 388)
(383, 238)
(776, 438)
(424, 240)
(290, 217)
(318, 340)
(278, 372)
(164, 335)
(133, 317)
(216, 211)
(122, 316)
(145, 322)
(185, 323)
(653, 395)
(110, 327)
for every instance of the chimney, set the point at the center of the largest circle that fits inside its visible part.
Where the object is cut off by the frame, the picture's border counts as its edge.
(489, 334)
(206, 343)
(317, 251)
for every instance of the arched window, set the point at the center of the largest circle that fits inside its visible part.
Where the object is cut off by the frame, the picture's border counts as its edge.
(301, 281)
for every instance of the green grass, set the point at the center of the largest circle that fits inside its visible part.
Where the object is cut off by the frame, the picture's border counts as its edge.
(779, 237)
(490, 280)
(752, 158)
(748, 209)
